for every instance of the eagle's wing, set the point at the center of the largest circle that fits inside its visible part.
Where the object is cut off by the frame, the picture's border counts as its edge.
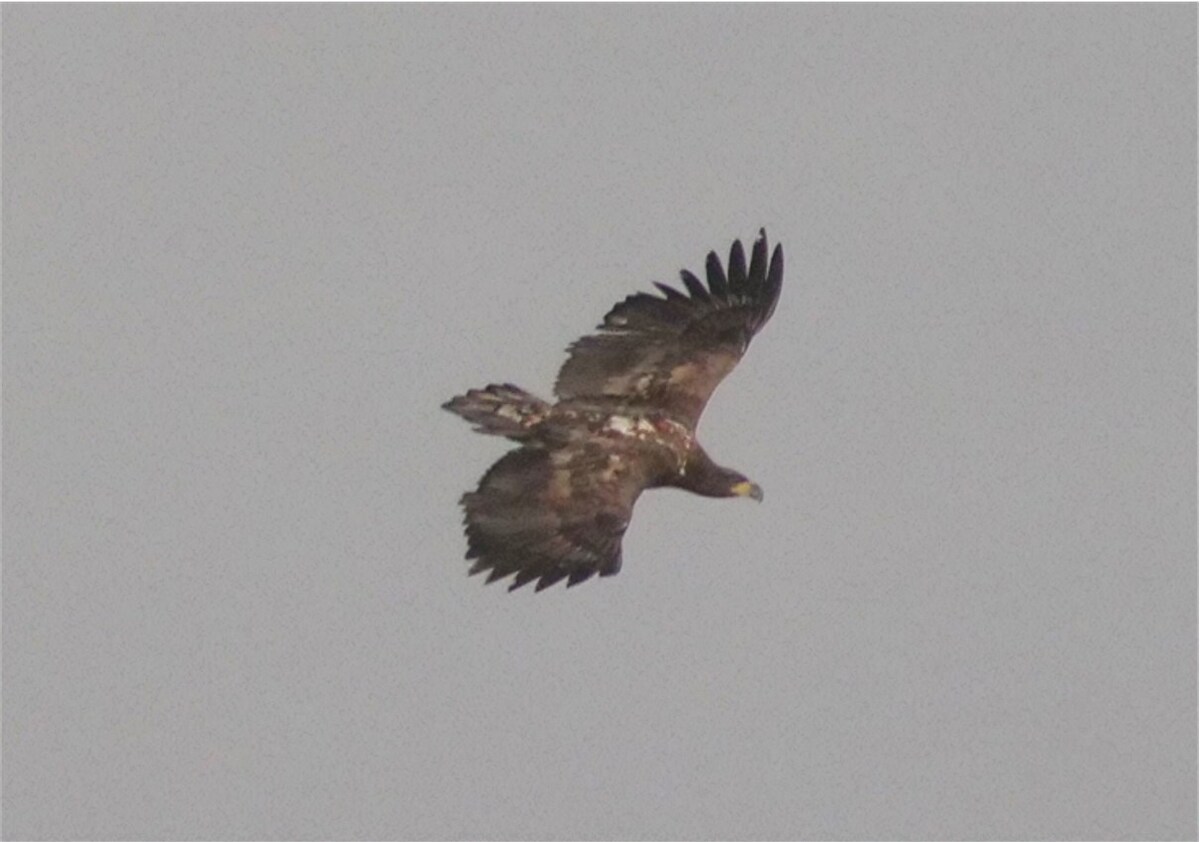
(671, 352)
(553, 513)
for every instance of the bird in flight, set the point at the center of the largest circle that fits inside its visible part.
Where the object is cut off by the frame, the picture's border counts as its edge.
(629, 400)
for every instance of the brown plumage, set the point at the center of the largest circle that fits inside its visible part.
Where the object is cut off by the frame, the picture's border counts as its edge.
(629, 399)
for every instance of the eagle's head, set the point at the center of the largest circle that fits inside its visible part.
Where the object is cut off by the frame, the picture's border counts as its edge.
(704, 476)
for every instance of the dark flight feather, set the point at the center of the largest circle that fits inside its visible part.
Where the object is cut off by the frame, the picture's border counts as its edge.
(551, 514)
(673, 352)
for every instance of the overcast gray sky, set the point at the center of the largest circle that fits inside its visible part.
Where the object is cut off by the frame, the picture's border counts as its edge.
(248, 252)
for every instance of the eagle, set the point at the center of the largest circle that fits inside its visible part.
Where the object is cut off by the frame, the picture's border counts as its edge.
(630, 397)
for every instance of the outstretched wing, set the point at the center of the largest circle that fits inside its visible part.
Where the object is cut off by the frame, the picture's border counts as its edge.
(553, 514)
(671, 352)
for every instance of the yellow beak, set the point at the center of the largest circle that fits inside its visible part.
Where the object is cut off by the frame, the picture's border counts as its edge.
(747, 489)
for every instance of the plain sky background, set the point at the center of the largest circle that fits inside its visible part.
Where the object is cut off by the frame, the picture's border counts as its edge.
(249, 251)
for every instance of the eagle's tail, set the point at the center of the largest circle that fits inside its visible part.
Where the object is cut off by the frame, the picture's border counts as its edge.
(501, 410)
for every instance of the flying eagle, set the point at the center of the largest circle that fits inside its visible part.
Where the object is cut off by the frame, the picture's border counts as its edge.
(629, 399)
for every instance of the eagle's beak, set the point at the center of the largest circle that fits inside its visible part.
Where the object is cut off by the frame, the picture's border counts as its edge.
(748, 489)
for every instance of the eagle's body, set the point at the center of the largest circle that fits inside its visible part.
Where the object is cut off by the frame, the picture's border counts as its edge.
(630, 398)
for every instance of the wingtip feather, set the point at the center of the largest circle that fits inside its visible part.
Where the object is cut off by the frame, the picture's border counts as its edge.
(670, 292)
(736, 268)
(758, 264)
(775, 273)
(717, 284)
(578, 576)
(694, 285)
(549, 579)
